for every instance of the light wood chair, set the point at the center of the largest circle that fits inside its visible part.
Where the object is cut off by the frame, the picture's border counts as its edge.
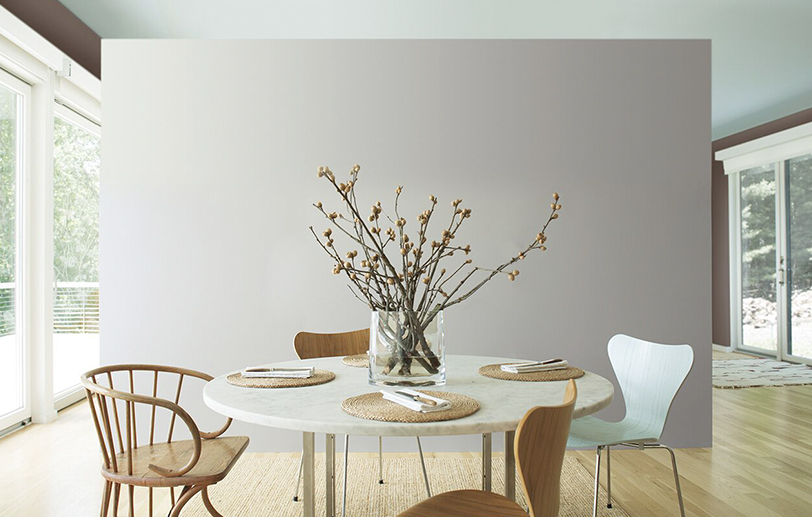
(193, 464)
(310, 346)
(541, 440)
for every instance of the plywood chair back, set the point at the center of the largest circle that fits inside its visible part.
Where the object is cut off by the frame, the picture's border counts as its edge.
(309, 345)
(650, 375)
(114, 415)
(541, 440)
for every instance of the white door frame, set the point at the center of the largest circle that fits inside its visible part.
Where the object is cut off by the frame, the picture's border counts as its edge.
(22, 273)
(781, 252)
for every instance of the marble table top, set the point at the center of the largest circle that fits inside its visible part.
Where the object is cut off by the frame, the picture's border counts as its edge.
(317, 409)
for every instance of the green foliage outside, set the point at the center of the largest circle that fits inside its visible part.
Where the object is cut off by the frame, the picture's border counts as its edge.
(76, 227)
(758, 228)
(8, 161)
(800, 222)
(76, 204)
(8, 206)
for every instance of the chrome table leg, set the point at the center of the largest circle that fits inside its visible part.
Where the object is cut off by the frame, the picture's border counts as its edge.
(344, 497)
(330, 475)
(309, 488)
(486, 462)
(510, 466)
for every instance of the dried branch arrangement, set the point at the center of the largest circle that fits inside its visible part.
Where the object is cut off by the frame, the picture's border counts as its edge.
(391, 270)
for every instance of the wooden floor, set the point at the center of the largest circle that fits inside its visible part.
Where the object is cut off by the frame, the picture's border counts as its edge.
(760, 464)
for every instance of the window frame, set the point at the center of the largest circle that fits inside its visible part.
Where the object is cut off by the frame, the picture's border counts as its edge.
(22, 307)
(70, 112)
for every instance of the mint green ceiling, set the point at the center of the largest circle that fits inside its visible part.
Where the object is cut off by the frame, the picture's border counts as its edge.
(762, 49)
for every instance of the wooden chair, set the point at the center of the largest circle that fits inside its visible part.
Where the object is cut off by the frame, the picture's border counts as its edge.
(541, 440)
(193, 464)
(310, 346)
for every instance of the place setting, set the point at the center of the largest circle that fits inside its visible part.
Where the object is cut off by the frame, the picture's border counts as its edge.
(280, 377)
(410, 406)
(532, 371)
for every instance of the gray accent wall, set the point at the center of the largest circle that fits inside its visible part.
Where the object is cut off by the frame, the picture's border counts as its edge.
(210, 153)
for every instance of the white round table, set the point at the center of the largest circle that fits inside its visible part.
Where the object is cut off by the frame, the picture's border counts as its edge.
(317, 409)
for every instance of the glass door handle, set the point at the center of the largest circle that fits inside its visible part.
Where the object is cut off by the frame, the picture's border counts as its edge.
(781, 279)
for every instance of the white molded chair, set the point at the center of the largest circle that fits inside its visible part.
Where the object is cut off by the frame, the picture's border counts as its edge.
(650, 375)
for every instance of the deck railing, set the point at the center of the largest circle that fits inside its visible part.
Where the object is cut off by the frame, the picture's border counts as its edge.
(7, 319)
(76, 308)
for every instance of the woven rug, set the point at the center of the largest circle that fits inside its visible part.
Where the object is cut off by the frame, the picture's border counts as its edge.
(754, 373)
(260, 486)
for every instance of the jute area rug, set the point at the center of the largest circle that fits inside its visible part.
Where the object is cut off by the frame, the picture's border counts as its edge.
(262, 486)
(754, 373)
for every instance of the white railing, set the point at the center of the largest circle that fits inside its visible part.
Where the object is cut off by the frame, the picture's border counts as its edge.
(7, 319)
(76, 308)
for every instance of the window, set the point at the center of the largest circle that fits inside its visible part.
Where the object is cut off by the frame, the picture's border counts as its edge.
(44, 144)
(77, 160)
(14, 393)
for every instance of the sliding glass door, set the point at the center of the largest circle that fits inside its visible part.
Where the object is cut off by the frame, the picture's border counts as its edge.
(77, 153)
(759, 296)
(775, 259)
(798, 253)
(14, 378)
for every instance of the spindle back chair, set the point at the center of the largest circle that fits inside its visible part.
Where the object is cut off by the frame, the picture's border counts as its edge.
(194, 464)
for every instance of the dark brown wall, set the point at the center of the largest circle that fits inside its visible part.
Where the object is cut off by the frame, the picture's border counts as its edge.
(62, 28)
(719, 216)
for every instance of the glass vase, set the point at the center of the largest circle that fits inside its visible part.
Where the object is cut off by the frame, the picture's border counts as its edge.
(403, 351)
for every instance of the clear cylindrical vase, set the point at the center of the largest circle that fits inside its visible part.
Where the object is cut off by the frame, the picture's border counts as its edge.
(404, 351)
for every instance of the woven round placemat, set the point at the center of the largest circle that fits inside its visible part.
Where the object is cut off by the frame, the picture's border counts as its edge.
(494, 371)
(357, 360)
(319, 377)
(372, 406)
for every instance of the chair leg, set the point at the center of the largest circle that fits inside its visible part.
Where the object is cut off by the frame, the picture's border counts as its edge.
(676, 477)
(116, 492)
(208, 505)
(185, 496)
(380, 460)
(131, 493)
(423, 464)
(299, 477)
(344, 497)
(105, 505)
(597, 480)
(608, 477)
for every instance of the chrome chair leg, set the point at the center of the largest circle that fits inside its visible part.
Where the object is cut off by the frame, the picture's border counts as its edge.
(423, 464)
(608, 477)
(344, 497)
(597, 480)
(380, 460)
(676, 478)
(299, 477)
